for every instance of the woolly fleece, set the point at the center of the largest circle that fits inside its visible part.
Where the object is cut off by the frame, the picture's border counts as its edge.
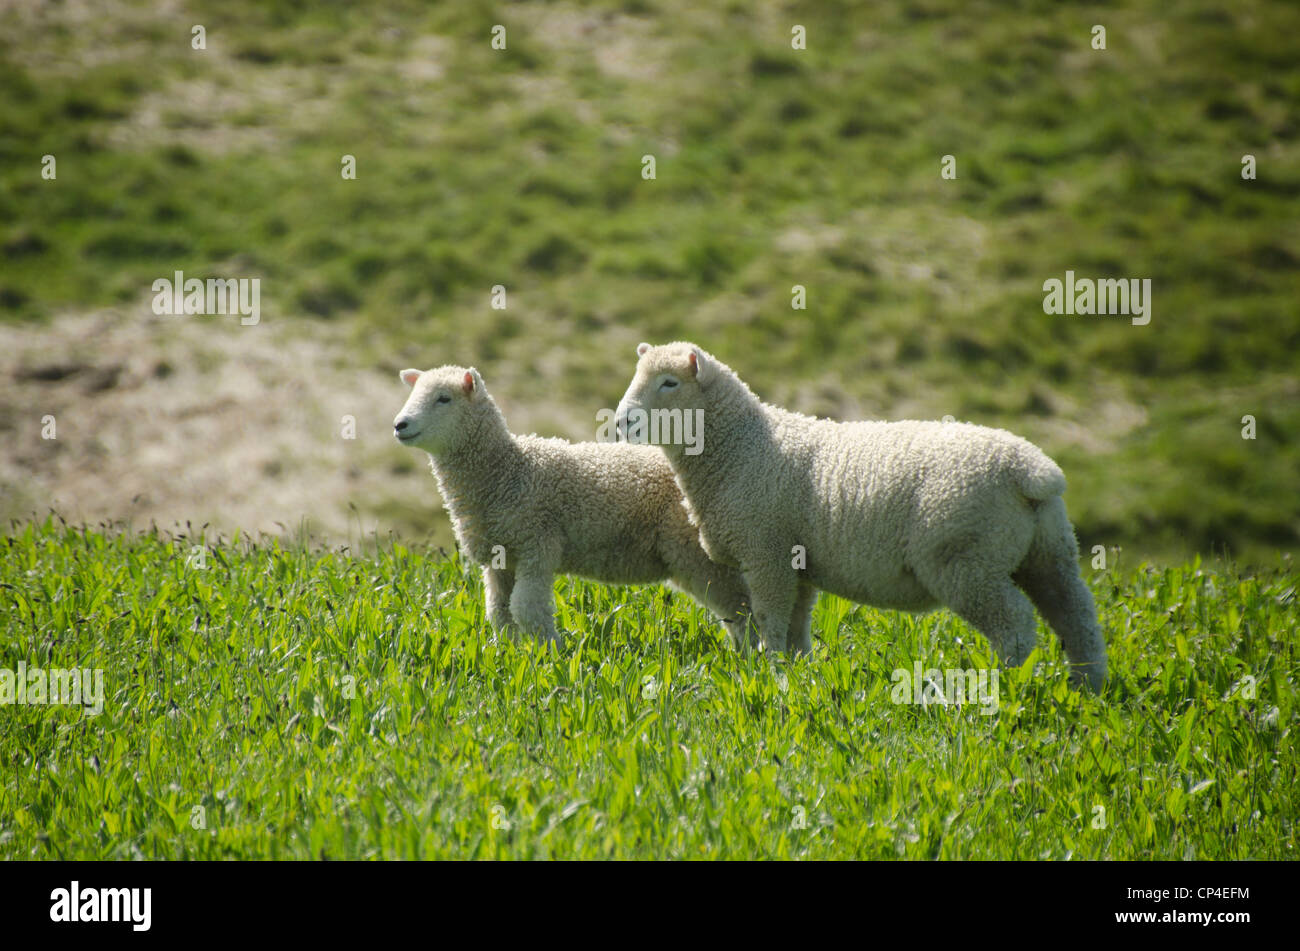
(907, 515)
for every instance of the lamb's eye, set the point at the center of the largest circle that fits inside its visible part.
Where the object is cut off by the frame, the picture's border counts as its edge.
(667, 384)
(444, 398)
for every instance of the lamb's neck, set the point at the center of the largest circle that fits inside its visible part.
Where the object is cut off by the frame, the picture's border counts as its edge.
(486, 459)
(728, 444)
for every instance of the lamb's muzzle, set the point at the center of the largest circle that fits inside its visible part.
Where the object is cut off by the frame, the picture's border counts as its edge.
(621, 417)
(402, 430)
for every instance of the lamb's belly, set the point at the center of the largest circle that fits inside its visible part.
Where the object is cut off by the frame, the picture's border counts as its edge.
(863, 560)
(620, 561)
(618, 570)
(897, 589)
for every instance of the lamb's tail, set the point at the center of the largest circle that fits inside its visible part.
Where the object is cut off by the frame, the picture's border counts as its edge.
(1037, 477)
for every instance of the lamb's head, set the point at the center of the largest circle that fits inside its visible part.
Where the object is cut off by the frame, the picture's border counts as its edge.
(676, 376)
(443, 408)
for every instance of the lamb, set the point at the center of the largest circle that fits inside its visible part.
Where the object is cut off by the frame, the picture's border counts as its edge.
(904, 515)
(527, 508)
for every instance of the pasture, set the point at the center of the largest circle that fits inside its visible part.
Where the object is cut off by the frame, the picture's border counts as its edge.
(287, 701)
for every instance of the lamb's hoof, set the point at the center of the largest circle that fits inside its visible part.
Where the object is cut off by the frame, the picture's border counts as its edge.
(1088, 677)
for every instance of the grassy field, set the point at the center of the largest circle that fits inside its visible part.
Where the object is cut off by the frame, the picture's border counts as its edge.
(339, 704)
(775, 167)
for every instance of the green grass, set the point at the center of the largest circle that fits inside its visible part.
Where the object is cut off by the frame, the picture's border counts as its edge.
(775, 167)
(644, 736)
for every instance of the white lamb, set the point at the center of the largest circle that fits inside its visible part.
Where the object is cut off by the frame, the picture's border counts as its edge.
(528, 508)
(905, 515)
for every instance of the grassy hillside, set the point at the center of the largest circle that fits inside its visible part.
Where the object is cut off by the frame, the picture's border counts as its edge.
(283, 702)
(775, 167)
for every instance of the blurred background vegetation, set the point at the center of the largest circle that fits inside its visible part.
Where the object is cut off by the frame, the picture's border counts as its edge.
(775, 167)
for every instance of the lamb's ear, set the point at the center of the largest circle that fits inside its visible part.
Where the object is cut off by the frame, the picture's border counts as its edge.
(702, 367)
(472, 382)
(409, 376)
(641, 348)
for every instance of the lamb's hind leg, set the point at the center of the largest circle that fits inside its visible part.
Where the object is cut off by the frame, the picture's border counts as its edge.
(1050, 576)
(989, 602)
(719, 588)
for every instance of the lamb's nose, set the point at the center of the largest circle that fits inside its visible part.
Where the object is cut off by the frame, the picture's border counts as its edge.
(400, 425)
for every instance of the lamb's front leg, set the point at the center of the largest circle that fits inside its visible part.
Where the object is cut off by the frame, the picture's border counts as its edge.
(801, 618)
(497, 586)
(532, 602)
(773, 588)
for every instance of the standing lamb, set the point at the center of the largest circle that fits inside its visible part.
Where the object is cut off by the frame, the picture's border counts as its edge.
(905, 515)
(528, 508)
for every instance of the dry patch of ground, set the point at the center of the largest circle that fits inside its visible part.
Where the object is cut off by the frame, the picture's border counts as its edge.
(200, 419)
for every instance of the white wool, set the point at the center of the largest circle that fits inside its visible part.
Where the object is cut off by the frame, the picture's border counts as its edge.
(527, 508)
(906, 515)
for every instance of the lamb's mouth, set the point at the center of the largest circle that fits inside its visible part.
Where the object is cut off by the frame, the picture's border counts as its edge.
(404, 436)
